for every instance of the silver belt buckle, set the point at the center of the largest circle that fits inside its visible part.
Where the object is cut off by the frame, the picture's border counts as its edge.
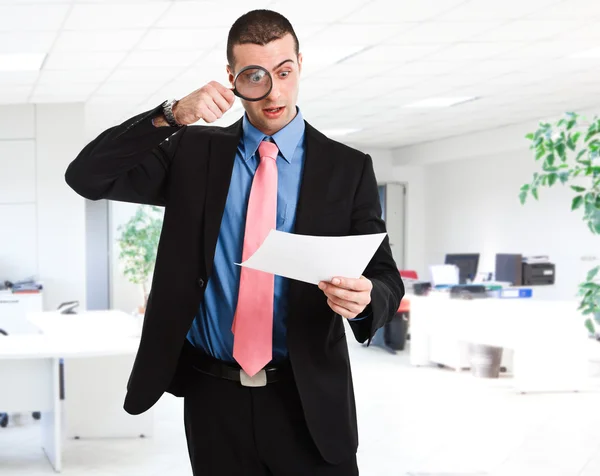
(259, 380)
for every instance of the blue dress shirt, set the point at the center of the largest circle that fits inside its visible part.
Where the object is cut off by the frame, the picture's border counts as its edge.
(211, 329)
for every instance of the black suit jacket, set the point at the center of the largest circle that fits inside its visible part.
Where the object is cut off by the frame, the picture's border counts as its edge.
(187, 170)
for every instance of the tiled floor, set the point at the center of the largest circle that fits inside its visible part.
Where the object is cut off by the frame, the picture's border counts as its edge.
(413, 421)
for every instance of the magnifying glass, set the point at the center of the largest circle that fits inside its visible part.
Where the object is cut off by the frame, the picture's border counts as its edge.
(252, 83)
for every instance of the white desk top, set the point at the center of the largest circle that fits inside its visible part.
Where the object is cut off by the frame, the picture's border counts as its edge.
(88, 334)
(103, 324)
(42, 347)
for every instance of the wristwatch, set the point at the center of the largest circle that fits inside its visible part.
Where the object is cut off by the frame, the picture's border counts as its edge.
(168, 112)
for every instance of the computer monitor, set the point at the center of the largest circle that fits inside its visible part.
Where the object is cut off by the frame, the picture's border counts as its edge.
(467, 264)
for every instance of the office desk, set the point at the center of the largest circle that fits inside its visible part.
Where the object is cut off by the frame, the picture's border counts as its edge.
(97, 361)
(549, 345)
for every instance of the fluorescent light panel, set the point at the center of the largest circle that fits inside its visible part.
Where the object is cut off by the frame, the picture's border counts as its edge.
(21, 62)
(440, 102)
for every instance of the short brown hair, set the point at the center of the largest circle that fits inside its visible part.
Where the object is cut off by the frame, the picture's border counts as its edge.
(259, 27)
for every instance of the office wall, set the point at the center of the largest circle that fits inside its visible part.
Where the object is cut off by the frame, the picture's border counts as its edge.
(42, 222)
(413, 177)
(471, 204)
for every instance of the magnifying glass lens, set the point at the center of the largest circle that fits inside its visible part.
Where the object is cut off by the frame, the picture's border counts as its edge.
(253, 83)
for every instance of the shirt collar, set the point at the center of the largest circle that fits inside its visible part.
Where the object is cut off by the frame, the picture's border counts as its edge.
(286, 139)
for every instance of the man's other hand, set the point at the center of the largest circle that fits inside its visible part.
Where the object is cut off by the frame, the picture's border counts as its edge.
(348, 297)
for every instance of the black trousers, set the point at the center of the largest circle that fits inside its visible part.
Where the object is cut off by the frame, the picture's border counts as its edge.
(241, 431)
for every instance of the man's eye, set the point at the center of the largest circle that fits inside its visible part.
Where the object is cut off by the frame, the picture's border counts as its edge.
(284, 73)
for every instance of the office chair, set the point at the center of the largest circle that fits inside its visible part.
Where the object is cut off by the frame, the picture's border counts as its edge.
(4, 416)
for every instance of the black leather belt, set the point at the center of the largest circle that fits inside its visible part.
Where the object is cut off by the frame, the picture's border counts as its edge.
(230, 371)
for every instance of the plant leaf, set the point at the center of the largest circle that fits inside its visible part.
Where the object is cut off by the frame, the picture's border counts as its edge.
(552, 179)
(523, 197)
(564, 177)
(534, 192)
(578, 189)
(577, 202)
(541, 151)
(589, 325)
(561, 151)
(592, 273)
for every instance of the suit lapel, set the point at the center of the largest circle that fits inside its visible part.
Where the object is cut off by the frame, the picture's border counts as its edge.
(223, 148)
(315, 180)
(318, 165)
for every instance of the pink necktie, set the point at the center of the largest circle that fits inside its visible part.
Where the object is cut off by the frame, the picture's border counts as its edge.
(253, 320)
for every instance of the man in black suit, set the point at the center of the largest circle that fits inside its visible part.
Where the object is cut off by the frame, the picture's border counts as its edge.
(296, 415)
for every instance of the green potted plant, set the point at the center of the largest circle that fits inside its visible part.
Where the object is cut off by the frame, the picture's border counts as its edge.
(569, 153)
(138, 242)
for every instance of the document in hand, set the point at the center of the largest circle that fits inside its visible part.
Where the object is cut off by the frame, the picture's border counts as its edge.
(314, 258)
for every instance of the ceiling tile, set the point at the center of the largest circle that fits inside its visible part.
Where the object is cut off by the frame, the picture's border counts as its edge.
(114, 16)
(505, 10)
(18, 78)
(473, 51)
(528, 30)
(551, 49)
(129, 87)
(76, 61)
(79, 76)
(32, 17)
(351, 71)
(315, 11)
(204, 14)
(181, 39)
(357, 34)
(142, 74)
(384, 11)
(570, 9)
(428, 68)
(444, 32)
(160, 59)
(396, 54)
(26, 42)
(122, 40)
(589, 32)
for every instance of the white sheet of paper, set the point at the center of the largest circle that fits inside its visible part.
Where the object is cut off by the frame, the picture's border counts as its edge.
(314, 258)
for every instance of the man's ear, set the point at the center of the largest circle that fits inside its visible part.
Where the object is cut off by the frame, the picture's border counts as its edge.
(230, 74)
(299, 62)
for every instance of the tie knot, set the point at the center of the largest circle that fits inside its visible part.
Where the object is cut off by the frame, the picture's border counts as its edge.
(268, 149)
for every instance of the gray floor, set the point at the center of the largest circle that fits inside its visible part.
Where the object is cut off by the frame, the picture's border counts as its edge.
(413, 421)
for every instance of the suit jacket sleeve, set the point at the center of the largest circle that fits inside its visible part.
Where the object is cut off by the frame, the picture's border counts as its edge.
(128, 162)
(388, 288)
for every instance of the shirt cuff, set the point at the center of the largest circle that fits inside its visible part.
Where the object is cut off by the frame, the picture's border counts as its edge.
(363, 315)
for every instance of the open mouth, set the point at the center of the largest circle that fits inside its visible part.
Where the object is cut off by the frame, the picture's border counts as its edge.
(273, 111)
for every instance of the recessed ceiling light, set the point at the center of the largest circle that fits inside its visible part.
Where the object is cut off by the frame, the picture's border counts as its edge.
(440, 102)
(592, 53)
(339, 132)
(21, 62)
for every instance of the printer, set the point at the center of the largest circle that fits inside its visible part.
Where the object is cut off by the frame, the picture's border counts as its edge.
(535, 274)
(522, 270)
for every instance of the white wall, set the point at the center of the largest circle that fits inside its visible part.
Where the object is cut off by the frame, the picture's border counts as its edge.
(414, 249)
(42, 222)
(469, 203)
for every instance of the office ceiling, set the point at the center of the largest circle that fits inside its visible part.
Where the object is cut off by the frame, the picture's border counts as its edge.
(364, 61)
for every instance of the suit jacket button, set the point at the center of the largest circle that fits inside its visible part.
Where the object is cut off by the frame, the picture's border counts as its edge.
(200, 282)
